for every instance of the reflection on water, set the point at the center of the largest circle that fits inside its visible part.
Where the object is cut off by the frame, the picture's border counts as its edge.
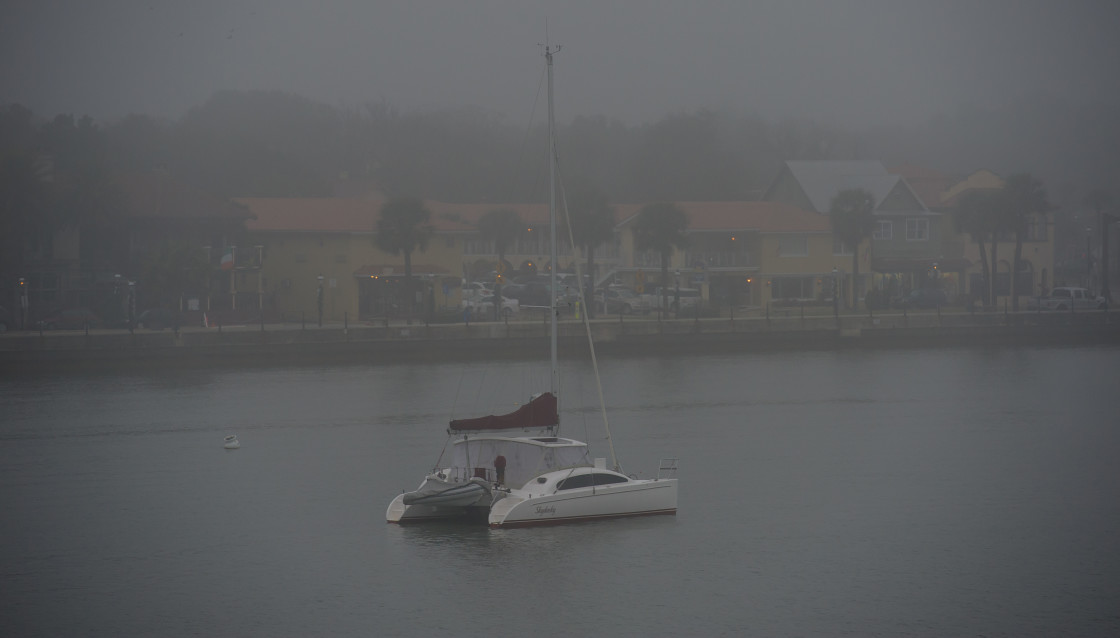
(942, 492)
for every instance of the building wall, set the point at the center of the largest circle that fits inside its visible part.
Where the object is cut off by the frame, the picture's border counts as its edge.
(293, 262)
(816, 264)
(898, 246)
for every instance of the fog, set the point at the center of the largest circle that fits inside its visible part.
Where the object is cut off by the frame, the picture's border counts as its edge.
(854, 64)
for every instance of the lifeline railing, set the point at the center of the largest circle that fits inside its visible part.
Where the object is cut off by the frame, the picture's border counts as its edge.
(668, 467)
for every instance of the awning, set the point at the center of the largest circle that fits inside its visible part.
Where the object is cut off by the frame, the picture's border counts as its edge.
(888, 264)
(397, 270)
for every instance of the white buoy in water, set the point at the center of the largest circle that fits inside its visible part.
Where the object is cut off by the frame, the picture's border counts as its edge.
(232, 443)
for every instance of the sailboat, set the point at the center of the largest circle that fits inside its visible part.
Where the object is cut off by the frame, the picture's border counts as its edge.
(515, 470)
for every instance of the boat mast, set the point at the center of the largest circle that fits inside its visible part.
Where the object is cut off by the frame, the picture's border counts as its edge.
(548, 51)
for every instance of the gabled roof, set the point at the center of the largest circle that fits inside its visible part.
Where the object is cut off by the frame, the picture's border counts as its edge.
(822, 180)
(764, 217)
(928, 184)
(155, 195)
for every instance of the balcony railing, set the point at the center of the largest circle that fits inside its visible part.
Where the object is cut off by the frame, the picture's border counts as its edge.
(719, 259)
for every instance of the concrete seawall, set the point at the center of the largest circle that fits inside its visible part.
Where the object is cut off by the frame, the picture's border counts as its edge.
(255, 345)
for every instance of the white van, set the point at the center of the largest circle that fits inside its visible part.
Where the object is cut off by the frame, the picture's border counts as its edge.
(689, 298)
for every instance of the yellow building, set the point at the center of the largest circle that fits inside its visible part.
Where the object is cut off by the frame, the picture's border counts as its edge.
(743, 254)
(327, 244)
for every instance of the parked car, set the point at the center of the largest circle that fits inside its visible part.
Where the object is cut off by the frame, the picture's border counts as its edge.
(619, 300)
(158, 319)
(475, 289)
(69, 319)
(483, 307)
(533, 293)
(923, 298)
(1067, 298)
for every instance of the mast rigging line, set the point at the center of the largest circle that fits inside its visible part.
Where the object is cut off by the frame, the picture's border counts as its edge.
(554, 162)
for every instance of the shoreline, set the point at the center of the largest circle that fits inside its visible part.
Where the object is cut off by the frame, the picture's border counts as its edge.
(288, 345)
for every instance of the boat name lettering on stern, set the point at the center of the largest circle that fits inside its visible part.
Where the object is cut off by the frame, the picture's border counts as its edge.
(551, 509)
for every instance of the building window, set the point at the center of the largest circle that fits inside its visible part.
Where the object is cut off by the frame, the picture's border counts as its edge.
(840, 247)
(793, 246)
(1036, 228)
(883, 230)
(793, 287)
(917, 229)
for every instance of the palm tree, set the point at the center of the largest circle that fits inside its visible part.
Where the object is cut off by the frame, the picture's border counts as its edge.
(1100, 200)
(852, 214)
(1025, 197)
(503, 227)
(975, 217)
(403, 228)
(592, 220)
(661, 227)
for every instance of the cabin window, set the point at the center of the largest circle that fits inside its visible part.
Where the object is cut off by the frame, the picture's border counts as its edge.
(588, 480)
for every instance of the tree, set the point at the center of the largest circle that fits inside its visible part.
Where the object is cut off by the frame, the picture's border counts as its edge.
(661, 227)
(502, 226)
(24, 213)
(403, 228)
(1024, 197)
(171, 271)
(852, 214)
(1100, 201)
(592, 221)
(974, 215)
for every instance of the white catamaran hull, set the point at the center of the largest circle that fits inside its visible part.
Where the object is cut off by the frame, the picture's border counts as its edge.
(398, 512)
(635, 498)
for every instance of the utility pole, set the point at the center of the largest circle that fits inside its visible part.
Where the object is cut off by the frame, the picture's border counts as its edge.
(1106, 221)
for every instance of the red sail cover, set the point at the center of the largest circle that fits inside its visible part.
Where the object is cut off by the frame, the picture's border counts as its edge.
(538, 413)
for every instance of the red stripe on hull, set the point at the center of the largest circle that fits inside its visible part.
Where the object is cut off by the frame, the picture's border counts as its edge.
(578, 519)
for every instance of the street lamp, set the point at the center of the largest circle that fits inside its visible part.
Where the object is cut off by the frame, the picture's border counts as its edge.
(677, 294)
(131, 305)
(1088, 258)
(319, 300)
(836, 294)
(22, 303)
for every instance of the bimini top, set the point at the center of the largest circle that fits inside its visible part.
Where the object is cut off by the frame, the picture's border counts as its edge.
(539, 412)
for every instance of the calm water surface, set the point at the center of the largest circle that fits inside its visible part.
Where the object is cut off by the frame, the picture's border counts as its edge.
(924, 493)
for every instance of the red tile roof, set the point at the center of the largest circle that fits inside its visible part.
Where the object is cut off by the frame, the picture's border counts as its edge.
(766, 217)
(341, 215)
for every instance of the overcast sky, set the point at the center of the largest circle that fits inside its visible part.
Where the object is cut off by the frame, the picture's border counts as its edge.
(842, 62)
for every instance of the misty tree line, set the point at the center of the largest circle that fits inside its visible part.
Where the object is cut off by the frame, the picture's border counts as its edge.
(273, 144)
